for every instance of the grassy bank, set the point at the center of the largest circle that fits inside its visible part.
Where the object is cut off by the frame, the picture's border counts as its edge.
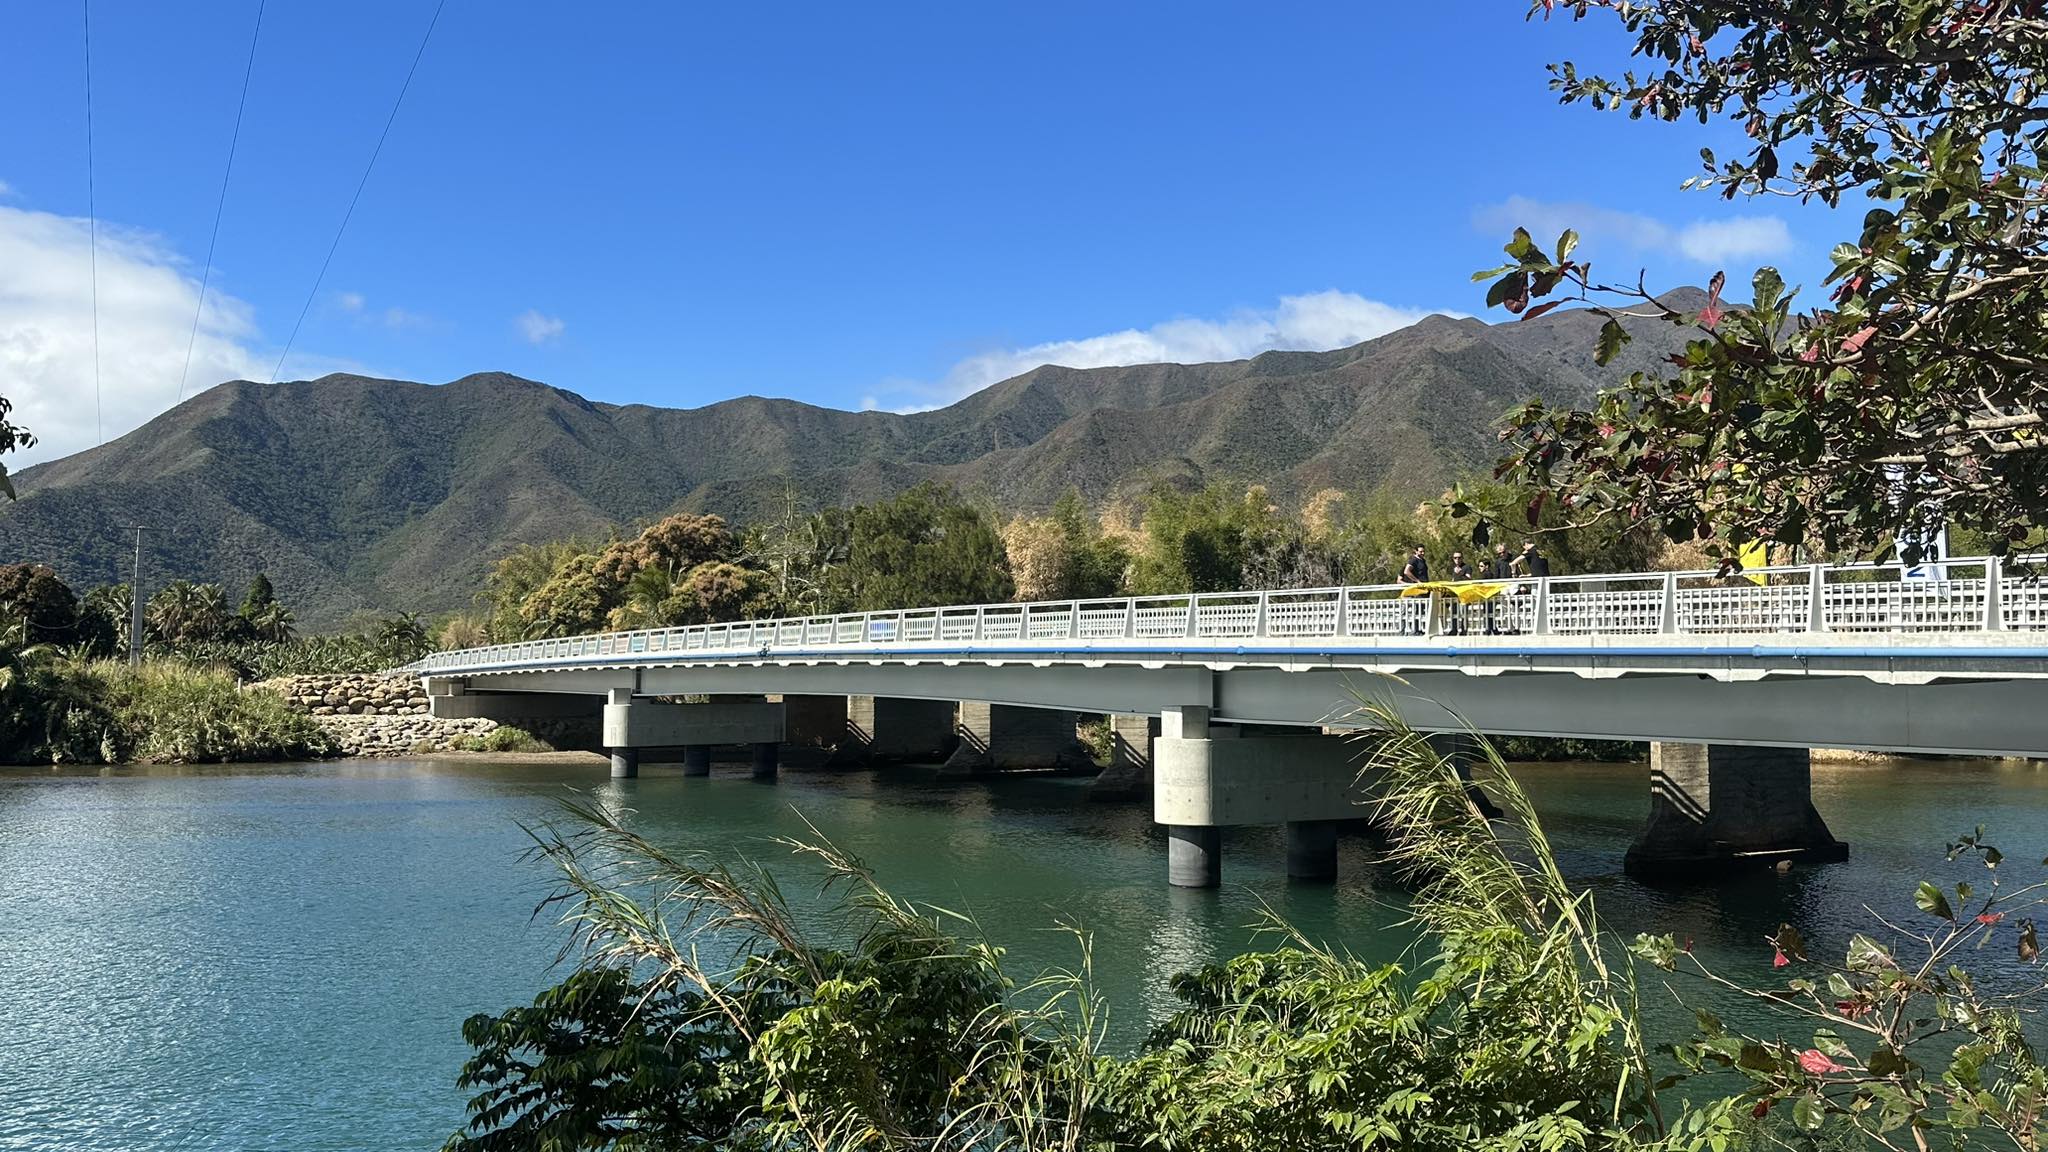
(58, 711)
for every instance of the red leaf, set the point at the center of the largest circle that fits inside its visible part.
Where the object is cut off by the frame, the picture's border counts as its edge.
(1815, 1062)
(1858, 340)
(1710, 316)
(1540, 309)
(1778, 959)
(1990, 917)
(1714, 287)
(1762, 1106)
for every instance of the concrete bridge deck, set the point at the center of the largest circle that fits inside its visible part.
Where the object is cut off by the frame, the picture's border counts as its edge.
(1730, 679)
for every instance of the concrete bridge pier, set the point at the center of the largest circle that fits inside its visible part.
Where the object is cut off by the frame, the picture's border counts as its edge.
(767, 759)
(625, 756)
(1129, 775)
(1461, 749)
(633, 724)
(1211, 776)
(885, 729)
(1723, 807)
(1312, 850)
(1002, 738)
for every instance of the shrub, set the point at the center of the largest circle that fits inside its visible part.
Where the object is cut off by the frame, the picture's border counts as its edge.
(503, 738)
(178, 713)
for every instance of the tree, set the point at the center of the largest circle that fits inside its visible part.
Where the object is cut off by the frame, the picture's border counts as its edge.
(517, 576)
(716, 593)
(44, 604)
(13, 437)
(1915, 395)
(186, 613)
(925, 548)
(572, 602)
(1064, 555)
(259, 597)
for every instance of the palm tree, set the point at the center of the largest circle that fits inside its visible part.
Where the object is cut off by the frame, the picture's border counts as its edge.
(272, 623)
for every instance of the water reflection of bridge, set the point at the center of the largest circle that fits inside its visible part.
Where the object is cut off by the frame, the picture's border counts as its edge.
(1223, 702)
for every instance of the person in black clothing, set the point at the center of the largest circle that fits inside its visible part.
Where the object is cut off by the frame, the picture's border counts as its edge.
(1501, 567)
(1459, 571)
(1533, 561)
(1416, 571)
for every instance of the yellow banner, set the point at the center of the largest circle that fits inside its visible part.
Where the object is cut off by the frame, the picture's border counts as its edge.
(1755, 554)
(1467, 591)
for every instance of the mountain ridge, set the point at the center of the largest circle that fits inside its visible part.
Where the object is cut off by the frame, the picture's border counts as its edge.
(364, 493)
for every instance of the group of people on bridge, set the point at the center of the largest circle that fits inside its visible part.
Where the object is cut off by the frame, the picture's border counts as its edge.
(1465, 585)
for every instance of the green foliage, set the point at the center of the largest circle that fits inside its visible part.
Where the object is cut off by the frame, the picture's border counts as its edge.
(600, 1062)
(55, 711)
(902, 1033)
(1913, 396)
(504, 738)
(1906, 1043)
(45, 605)
(12, 437)
(1195, 541)
(926, 547)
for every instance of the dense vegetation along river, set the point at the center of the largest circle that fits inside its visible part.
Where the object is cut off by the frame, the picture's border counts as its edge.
(255, 958)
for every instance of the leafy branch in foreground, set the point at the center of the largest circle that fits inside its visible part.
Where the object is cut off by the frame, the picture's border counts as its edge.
(1915, 394)
(1901, 1048)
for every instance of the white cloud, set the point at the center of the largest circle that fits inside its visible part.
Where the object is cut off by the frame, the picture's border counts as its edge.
(350, 301)
(1743, 238)
(146, 303)
(540, 329)
(1317, 321)
(1703, 241)
(6, 189)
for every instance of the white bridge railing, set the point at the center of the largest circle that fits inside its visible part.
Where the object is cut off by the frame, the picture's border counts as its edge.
(1957, 596)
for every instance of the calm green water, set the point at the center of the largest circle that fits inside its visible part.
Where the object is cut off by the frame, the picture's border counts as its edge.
(281, 957)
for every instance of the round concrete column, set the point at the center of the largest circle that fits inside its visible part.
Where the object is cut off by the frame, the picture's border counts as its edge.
(766, 759)
(697, 760)
(1194, 856)
(625, 763)
(1312, 850)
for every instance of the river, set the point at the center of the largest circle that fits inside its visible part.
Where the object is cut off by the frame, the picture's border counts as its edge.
(281, 956)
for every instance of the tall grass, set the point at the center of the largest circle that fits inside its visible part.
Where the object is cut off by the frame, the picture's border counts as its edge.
(64, 711)
(890, 1025)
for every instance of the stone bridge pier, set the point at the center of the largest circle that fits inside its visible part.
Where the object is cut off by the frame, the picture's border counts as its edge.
(1721, 807)
(632, 724)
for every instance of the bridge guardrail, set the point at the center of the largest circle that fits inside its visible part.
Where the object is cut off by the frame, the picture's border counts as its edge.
(1970, 595)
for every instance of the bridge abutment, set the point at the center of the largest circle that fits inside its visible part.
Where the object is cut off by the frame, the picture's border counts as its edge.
(1722, 807)
(1461, 750)
(1003, 738)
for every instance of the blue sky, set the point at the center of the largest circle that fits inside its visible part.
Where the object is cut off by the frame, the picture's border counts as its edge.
(876, 205)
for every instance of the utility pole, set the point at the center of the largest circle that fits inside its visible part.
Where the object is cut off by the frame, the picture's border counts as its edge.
(135, 599)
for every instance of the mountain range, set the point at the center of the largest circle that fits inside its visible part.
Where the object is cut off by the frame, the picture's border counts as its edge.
(356, 494)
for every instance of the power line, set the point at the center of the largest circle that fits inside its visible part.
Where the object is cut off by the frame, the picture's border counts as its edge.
(206, 277)
(374, 152)
(92, 218)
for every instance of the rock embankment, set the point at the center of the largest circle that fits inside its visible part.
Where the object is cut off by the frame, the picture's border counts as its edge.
(366, 694)
(371, 715)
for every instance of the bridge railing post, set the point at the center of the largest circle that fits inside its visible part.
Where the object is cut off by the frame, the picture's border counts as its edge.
(977, 622)
(1667, 618)
(1131, 619)
(1343, 625)
(1817, 599)
(1194, 614)
(1994, 594)
(1259, 617)
(1073, 619)
(1541, 624)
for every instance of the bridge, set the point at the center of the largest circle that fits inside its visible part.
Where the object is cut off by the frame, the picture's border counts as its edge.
(1228, 706)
